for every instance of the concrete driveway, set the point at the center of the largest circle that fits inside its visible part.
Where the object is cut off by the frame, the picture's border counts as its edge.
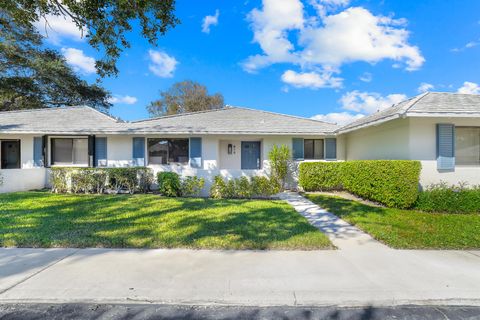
(256, 278)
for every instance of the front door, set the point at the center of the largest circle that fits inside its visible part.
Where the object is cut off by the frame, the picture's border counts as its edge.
(10, 154)
(250, 155)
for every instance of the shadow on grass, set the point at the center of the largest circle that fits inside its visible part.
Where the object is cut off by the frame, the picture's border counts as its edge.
(42, 219)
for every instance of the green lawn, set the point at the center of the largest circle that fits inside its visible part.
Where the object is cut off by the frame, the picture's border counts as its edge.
(407, 229)
(42, 219)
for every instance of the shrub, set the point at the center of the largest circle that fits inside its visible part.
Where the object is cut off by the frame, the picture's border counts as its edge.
(243, 188)
(280, 158)
(191, 186)
(393, 183)
(168, 184)
(321, 176)
(90, 180)
(452, 199)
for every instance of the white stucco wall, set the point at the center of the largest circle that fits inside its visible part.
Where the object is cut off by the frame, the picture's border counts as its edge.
(389, 140)
(423, 147)
(28, 177)
(411, 139)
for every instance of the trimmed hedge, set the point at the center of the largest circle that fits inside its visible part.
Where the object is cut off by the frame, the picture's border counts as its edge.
(393, 183)
(244, 188)
(168, 184)
(451, 199)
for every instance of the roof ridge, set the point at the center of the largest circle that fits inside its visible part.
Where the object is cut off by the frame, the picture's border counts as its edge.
(283, 114)
(40, 109)
(103, 114)
(414, 101)
(182, 114)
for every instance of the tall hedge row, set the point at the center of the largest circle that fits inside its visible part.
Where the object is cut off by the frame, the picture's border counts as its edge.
(393, 183)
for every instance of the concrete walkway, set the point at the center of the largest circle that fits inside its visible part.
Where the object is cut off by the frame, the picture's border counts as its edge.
(342, 234)
(258, 278)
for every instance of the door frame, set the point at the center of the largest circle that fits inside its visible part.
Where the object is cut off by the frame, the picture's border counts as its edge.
(19, 153)
(259, 143)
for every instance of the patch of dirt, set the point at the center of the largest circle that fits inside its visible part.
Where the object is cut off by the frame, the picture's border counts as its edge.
(349, 196)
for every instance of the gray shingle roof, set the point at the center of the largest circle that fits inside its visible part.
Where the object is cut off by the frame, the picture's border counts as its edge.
(234, 120)
(230, 120)
(65, 120)
(426, 104)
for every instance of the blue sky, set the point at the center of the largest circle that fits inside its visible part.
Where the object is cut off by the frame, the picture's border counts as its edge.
(333, 59)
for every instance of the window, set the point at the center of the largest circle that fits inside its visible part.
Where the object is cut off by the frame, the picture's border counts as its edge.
(10, 154)
(166, 151)
(313, 148)
(67, 151)
(467, 146)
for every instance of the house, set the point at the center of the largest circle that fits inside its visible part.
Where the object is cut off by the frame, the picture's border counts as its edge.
(442, 130)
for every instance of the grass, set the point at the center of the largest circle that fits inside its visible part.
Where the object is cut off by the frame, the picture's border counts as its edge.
(407, 229)
(43, 219)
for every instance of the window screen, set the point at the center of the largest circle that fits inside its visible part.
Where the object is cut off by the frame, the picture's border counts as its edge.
(467, 146)
(313, 148)
(69, 151)
(165, 151)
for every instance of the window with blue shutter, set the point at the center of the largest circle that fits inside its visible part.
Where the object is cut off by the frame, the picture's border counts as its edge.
(138, 152)
(101, 152)
(195, 152)
(330, 149)
(38, 152)
(297, 148)
(445, 146)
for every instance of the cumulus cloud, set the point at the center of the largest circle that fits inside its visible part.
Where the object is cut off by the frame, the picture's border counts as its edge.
(118, 99)
(161, 64)
(469, 88)
(79, 61)
(424, 87)
(468, 45)
(369, 102)
(55, 28)
(209, 21)
(340, 118)
(311, 80)
(286, 34)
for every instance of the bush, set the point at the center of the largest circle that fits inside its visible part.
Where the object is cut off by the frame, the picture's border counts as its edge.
(321, 176)
(243, 188)
(280, 158)
(191, 186)
(452, 199)
(393, 183)
(168, 184)
(90, 180)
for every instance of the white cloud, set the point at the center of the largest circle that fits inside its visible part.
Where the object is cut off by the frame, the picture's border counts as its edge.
(340, 118)
(366, 77)
(162, 64)
(79, 61)
(369, 102)
(311, 80)
(469, 88)
(54, 28)
(286, 34)
(468, 45)
(424, 87)
(209, 21)
(270, 26)
(118, 99)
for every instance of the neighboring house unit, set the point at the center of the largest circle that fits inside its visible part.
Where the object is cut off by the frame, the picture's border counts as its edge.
(442, 130)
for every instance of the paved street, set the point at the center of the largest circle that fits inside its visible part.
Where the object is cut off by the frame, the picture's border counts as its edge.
(147, 312)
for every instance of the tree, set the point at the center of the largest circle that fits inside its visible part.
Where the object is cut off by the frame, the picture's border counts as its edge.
(105, 23)
(33, 77)
(185, 96)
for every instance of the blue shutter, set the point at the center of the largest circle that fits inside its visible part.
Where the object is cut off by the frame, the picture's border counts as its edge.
(38, 152)
(445, 146)
(330, 149)
(297, 147)
(139, 152)
(195, 152)
(100, 152)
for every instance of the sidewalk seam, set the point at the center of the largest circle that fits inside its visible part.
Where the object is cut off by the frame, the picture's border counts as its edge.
(37, 272)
